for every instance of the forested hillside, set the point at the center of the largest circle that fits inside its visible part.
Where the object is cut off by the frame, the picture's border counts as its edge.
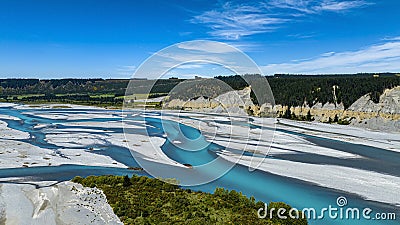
(289, 90)
(9, 87)
(294, 90)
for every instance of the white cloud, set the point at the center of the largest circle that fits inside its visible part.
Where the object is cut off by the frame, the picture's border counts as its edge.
(130, 68)
(232, 21)
(190, 66)
(126, 70)
(316, 6)
(206, 46)
(302, 35)
(235, 21)
(392, 39)
(384, 57)
(327, 54)
(338, 6)
(296, 5)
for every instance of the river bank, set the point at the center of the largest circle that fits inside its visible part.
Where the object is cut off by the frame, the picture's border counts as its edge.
(349, 160)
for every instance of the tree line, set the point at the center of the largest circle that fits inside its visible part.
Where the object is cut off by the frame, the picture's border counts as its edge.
(289, 90)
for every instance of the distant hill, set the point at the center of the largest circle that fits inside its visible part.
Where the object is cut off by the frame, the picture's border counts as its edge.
(289, 90)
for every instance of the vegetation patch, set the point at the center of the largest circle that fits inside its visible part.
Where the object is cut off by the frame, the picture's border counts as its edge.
(143, 200)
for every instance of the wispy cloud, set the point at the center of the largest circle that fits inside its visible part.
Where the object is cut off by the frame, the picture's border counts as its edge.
(339, 6)
(302, 35)
(232, 21)
(295, 5)
(383, 57)
(317, 6)
(126, 71)
(392, 39)
(209, 47)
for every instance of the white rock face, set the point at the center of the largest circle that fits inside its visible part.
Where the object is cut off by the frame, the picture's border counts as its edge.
(236, 98)
(389, 103)
(331, 106)
(232, 102)
(365, 104)
(385, 115)
(63, 203)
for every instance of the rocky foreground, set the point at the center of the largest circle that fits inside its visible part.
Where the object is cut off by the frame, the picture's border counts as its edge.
(62, 203)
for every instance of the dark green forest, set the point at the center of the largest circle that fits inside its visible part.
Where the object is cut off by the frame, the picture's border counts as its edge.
(294, 90)
(143, 200)
(290, 90)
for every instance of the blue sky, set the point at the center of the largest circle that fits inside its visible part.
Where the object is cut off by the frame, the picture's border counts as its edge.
(110, 39)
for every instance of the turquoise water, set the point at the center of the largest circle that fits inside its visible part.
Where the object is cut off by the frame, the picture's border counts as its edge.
(263, 186)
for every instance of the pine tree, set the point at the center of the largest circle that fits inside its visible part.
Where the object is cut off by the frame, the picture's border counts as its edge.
(127, 181)
(336, 119)
(309, 117)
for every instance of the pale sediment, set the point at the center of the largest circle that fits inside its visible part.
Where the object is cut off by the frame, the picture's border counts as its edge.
(62, 203)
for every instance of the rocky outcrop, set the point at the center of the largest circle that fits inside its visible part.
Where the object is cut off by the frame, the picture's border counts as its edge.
(384, 115)
(235, 102)
(388, 105)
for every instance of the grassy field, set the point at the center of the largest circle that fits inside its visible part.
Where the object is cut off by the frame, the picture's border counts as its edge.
(102, 100)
